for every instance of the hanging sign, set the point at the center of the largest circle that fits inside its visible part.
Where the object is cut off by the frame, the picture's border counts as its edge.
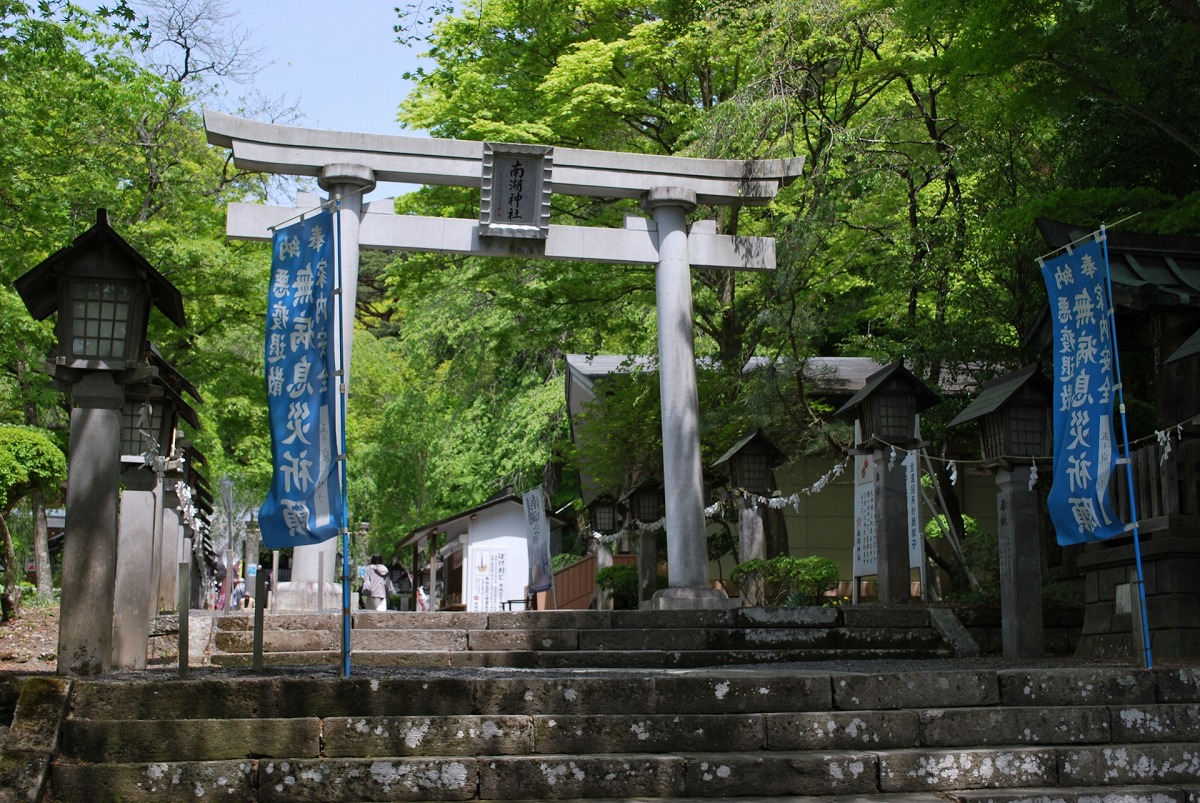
(541, 575)
(1084, 453)
(515, 193)
(304, 504)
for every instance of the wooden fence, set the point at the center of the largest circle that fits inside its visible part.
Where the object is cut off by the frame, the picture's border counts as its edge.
(1161, 488)
(575, 586)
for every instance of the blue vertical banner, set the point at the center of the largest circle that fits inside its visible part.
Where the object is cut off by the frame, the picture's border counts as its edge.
(1084, 354)
(304, 504)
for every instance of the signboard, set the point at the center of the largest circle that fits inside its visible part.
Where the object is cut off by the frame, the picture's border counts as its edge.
(866, 556)
(515, 196)
(487, 575)
(866, 535)
(912, 488)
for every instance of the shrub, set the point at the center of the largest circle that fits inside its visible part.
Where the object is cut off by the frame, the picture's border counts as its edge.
(789, 580)
(621, 582)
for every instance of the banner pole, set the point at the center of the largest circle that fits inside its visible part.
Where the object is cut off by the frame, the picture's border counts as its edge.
(1145, 658)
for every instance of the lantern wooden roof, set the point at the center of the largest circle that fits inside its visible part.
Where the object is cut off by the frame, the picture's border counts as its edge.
(99, 245)
(998, 392)
(895, 373)
(777, 457)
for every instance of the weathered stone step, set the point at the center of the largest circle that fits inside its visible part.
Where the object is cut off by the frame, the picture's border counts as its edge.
(523, 734)
(593, 659)
(1187, 793)
(1151, 702)
(557, 638)
(623, 775)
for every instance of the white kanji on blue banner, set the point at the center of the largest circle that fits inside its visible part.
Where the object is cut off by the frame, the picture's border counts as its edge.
(304, 504)
(1084, 453)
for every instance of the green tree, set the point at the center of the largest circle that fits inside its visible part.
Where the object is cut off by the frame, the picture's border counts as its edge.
(29, 460)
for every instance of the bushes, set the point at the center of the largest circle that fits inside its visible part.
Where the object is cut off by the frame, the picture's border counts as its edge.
(785, 577)
(622, 583)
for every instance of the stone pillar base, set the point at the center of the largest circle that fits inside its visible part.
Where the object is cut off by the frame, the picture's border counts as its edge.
(302, 596)
(689, 599)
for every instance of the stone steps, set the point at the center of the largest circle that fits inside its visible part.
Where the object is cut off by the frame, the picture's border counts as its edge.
(1040, 735)
(606, 639)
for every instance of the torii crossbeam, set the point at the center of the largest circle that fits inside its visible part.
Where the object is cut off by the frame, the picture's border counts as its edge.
(515, 183)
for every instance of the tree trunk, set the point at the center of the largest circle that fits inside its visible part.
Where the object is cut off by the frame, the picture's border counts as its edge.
(41, 545)
(10, 600)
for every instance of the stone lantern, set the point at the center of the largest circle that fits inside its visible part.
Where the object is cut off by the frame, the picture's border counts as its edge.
(751, 463)
(152, 410)
(603, 512)
(102, 290)
(645, 503)
(886, 414)
(1014, 416)
(886, 409)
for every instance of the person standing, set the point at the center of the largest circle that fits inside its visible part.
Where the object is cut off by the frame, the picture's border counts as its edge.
(377, 585)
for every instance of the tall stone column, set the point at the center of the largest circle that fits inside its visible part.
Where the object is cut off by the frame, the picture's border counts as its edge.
(687, 553)
(311, 564)
(85, 624)
(891, 529)
(1019, 539)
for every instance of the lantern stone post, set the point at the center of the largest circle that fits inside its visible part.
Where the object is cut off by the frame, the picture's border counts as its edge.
(1014, 413)
(101, 289)
(886, 411)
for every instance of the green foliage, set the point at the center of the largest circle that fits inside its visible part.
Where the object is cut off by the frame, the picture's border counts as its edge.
(29, 458)
(564, 559)
(784, 576)
(979, 547)
(621, 581)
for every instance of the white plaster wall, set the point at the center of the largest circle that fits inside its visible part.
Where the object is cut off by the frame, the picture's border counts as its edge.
(498, 530)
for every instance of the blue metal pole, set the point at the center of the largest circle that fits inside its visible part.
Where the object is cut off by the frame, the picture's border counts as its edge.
(341, 446)
(1137, 548)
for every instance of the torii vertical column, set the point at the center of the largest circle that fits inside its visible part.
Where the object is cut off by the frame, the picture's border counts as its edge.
(687, 555)
(346, 184)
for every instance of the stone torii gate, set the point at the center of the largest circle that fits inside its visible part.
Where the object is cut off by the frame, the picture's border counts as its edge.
(516, 182)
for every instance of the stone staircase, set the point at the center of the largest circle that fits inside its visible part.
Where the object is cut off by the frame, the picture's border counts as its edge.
(879, 730)
(593, 639)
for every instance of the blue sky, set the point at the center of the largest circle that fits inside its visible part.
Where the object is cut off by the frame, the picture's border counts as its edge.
(338, 61)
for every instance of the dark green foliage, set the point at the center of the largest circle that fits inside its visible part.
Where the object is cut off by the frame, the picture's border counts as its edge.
(782, 577)
(621, 582)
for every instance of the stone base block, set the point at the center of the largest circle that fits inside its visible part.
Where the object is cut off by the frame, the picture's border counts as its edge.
(692, 598)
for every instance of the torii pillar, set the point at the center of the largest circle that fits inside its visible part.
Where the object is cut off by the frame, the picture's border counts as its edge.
(687, 566)
(669, 188)
(314, 566)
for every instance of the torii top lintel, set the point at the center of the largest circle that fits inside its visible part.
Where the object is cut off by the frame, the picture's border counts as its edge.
(415, 160)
